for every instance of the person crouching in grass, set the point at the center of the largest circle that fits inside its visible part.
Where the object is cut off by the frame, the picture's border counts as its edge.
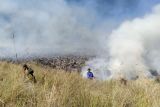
(29, 73)
(90, 74)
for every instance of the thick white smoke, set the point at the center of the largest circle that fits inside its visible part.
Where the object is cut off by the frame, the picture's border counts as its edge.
(54, 27)
(47, 28)
(134, 49)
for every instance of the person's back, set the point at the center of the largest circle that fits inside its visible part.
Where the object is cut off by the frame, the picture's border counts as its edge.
(31, 76)
(28, 72)
(90, 74)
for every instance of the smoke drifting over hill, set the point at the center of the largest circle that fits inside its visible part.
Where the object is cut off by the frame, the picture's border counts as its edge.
(46, 28)
(66, 27)
(133, 49)
(61, 26)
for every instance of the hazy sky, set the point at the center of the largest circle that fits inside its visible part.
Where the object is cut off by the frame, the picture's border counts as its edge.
(63, 26)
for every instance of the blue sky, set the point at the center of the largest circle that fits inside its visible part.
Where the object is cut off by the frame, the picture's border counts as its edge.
(118, 9)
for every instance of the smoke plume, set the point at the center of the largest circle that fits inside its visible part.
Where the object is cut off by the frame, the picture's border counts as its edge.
(61, 27)
(123, 44)
(46, 28)
(133, 49)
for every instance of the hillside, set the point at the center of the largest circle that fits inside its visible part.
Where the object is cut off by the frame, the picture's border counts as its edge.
(57, 88)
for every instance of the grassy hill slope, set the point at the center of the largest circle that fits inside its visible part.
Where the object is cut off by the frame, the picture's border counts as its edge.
(55, 88)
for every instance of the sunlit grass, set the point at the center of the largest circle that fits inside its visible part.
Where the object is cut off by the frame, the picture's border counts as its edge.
(55, 88)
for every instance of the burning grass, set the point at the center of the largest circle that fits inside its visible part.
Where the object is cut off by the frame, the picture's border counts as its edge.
(61, 89)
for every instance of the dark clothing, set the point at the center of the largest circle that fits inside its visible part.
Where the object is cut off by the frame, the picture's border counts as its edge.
(31, 77)
(30, 72)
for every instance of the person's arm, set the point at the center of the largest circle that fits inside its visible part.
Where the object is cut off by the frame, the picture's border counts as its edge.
(93, 76)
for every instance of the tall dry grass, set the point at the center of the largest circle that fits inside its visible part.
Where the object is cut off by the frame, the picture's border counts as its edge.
(60, 89)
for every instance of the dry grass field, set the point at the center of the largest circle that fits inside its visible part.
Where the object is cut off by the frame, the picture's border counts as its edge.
(55, 88)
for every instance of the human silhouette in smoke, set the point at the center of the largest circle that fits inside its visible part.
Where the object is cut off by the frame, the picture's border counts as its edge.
(90, 74)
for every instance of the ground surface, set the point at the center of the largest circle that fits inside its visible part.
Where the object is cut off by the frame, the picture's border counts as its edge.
(57, 88)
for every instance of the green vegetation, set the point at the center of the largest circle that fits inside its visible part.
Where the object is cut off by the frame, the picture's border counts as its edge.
(60, 89)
